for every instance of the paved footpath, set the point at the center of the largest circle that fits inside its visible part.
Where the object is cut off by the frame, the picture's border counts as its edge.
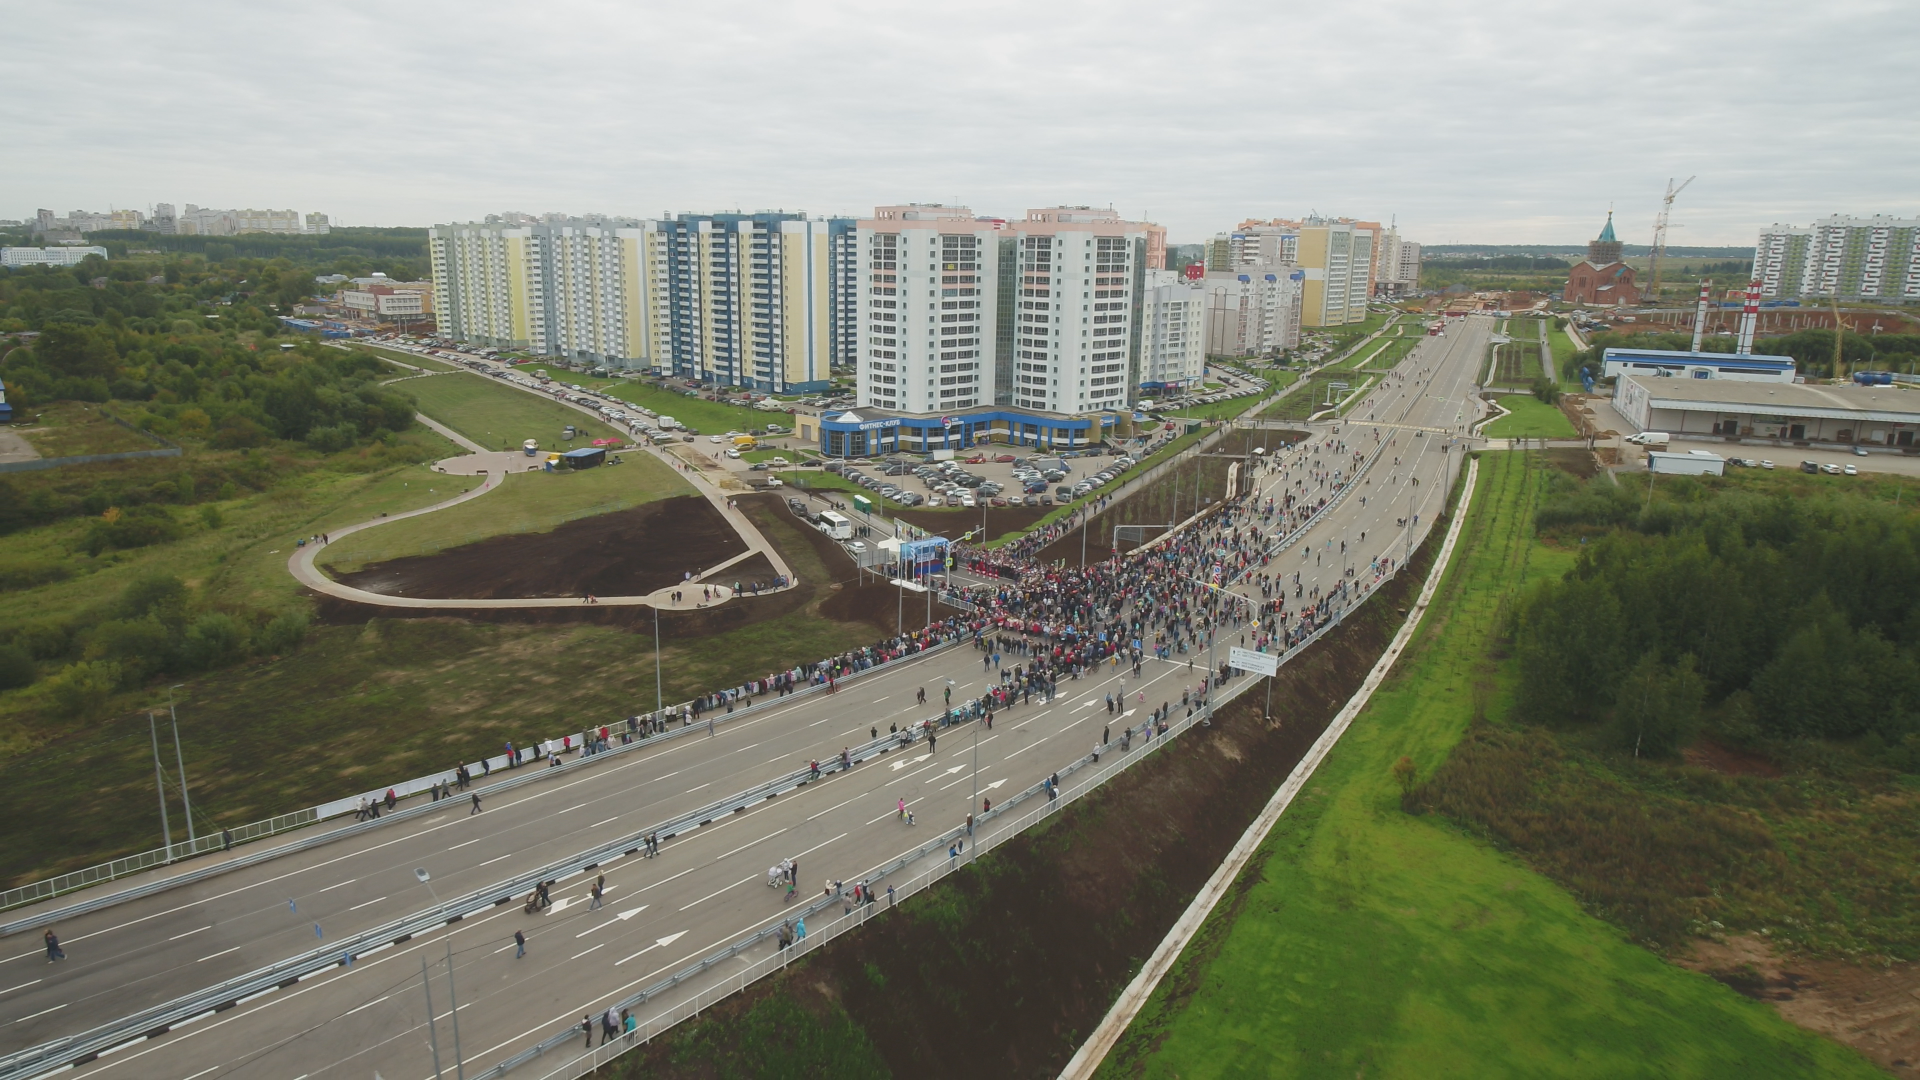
(706, 889)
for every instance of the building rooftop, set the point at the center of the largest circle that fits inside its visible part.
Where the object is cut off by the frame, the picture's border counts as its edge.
(1886, 402)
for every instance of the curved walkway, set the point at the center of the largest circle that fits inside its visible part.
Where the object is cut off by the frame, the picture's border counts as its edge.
(492, 466)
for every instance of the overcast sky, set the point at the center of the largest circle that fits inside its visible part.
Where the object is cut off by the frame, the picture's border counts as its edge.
(1493, 121)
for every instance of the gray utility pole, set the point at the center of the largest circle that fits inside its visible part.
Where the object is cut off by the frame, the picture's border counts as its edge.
(658, 706)
(160, 784)
(433, 1038)
(185, 800)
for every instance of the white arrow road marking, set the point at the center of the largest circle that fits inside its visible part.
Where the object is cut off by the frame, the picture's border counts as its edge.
(622, 916)
(660, 944)
(993, 785)
(955, 769)
(904, 762)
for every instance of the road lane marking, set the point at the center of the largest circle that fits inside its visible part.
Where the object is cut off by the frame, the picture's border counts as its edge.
(658, 944)
(496, 859)
(717, 892)
(568, 810)
(369, 903)
(464, 843)
(835, 806)
(351, 880)
(747, 845)
(39, 1014)
(368, 1005)
(691, 790)
(609, 821)
(190, 933)
(222, 952)
(21, 986)
(578, 955)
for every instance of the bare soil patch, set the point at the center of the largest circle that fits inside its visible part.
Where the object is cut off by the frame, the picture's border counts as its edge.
(953, 521)
(625, 553)
(1875, 1010)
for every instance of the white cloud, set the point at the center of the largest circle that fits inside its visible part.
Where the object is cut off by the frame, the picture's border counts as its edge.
(1493, 121)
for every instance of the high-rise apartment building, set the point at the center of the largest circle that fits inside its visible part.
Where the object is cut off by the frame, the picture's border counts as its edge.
(1255, 311)
(1173, 331)
(752, 300)
(930, 279)
(962, 312)
(1850, 257)
(1337, 256)
(1396, 263)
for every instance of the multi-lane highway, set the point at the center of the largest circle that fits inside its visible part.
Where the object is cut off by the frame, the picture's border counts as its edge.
(706, 888)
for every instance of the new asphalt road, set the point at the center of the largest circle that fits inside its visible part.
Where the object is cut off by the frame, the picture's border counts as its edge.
(708, 885)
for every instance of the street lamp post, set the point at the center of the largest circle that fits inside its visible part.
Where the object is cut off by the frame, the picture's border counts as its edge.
(186, 801)
(453, 1001)
(658, 700)
(160, 785)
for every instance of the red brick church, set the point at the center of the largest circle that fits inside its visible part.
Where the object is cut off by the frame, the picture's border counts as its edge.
(1602, 279)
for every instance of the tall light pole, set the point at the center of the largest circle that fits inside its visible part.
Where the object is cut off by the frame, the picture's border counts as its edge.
(185, 800)
(160, 785)
(459, 1066)
(658, 700)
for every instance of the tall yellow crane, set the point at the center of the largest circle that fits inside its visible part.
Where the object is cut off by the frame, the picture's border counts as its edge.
(1660, 233)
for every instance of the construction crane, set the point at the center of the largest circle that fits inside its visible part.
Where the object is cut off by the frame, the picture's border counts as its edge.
(1660, 232)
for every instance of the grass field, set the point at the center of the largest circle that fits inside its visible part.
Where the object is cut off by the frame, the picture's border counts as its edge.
(501, 417)
(1368, 942)
(526, 502)
(1311, 398)
(1563, 366)
(1529, 418)
(68, 428)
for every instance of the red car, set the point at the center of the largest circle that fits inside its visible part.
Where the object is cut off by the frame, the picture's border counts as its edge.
(977, 459)
(1005, 459)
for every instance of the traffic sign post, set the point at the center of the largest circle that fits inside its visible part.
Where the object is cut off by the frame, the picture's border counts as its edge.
(1259, 663)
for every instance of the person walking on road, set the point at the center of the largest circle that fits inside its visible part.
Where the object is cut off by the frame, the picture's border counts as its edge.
(519, 944)
(476, 803)
(922, 695)
(598, 891)
(54, 951)
(609, 1026)
(586, 1027)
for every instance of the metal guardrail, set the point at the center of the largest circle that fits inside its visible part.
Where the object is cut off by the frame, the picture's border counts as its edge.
(146, 860)
(158, 1020)
(581, 1064)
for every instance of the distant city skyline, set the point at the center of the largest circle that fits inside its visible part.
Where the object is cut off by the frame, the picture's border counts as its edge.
(1466, 123)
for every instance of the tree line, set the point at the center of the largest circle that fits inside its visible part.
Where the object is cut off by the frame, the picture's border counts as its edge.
(1782, 617)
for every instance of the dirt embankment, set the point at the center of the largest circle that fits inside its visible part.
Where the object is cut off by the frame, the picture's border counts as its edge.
(1004, 969)
(1171, 498)
(625, 553)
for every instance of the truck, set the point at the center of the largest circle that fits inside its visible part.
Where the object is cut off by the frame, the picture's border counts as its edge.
(668, 423)
(1649, 438)
(1697, 463)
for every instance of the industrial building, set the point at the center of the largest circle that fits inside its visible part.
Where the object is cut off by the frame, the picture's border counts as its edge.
(1666, 363)
(1784, 412)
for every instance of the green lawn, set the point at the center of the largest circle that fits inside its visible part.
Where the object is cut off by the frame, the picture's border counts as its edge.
(501, 417)
(1368, 942)
(1529, 418)
(526, 502)
(1563, 352)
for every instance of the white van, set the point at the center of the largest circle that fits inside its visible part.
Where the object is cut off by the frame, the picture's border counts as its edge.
(1649, 438)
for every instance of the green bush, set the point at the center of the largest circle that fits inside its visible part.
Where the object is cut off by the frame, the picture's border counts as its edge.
(17, 668)
(81, 690)
(214, 639)
(282, 634)
(25, 573)
(134, 527)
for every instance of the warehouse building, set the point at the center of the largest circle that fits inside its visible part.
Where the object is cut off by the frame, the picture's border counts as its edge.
(1696, 365)
(1787, 412)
